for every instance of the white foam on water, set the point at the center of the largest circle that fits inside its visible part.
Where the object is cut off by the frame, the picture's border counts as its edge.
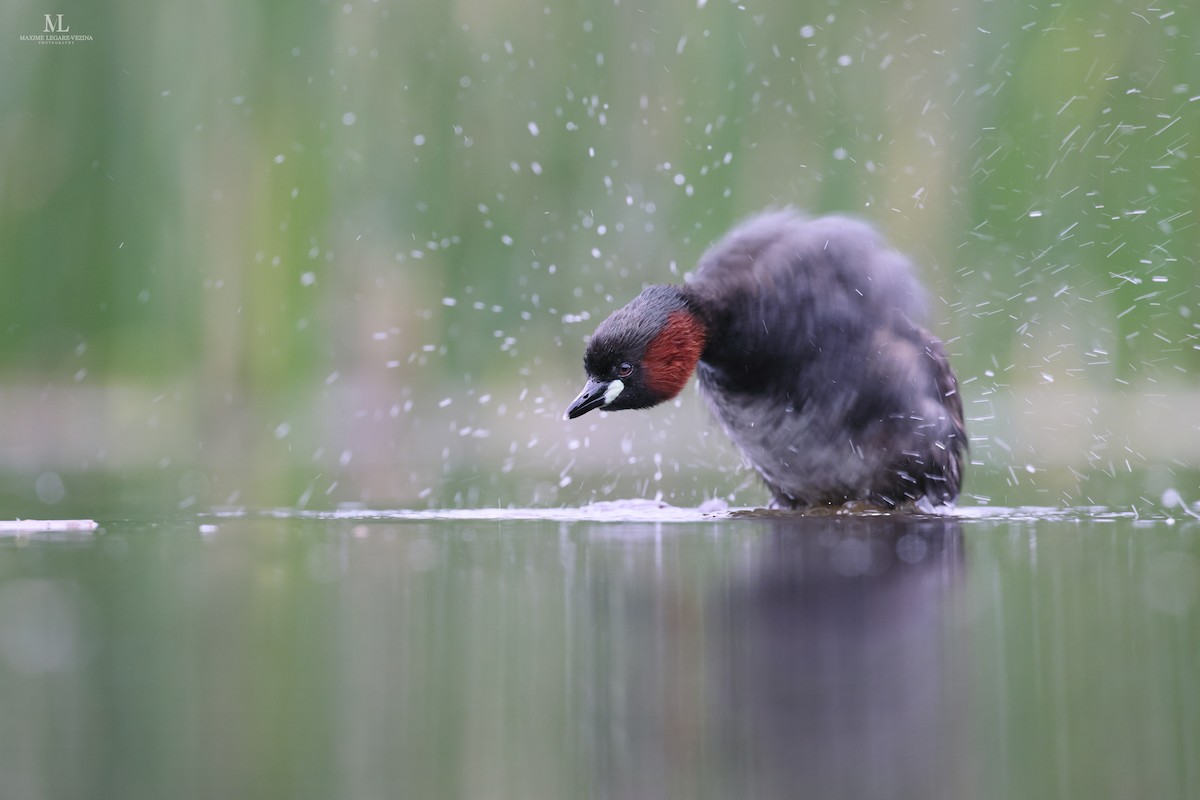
(653, 511)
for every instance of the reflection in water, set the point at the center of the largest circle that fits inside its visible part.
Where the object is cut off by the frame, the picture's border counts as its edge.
(738, 658)
(818, 663)
(837, 678)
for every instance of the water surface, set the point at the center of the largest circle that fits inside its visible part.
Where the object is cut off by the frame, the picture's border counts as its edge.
(625, 651)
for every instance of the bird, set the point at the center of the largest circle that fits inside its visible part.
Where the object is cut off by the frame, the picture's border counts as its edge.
(806, 338)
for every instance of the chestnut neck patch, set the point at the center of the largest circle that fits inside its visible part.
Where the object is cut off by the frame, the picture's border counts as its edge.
(672, 354)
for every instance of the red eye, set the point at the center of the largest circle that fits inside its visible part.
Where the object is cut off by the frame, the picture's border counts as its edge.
(624, 371)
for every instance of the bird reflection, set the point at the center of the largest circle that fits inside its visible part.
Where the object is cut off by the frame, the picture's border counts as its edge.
(839, 679)
(817, 663)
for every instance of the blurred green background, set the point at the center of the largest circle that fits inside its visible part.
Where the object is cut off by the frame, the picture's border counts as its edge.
(308, 254)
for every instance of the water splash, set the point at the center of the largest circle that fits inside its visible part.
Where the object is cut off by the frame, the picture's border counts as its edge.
(655, 511)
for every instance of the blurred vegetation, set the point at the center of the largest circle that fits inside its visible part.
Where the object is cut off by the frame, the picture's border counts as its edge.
(267, 253)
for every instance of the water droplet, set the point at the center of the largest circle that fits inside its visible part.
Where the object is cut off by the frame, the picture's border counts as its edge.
(49, 488)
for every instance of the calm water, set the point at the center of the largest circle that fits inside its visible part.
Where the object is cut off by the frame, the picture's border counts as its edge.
(620, 652)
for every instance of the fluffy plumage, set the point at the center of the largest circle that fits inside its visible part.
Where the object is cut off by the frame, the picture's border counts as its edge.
(809, 356)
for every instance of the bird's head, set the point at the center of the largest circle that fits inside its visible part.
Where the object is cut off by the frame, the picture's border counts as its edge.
(643, 354)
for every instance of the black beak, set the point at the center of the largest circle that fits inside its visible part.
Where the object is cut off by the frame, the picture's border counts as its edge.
(591, 397)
